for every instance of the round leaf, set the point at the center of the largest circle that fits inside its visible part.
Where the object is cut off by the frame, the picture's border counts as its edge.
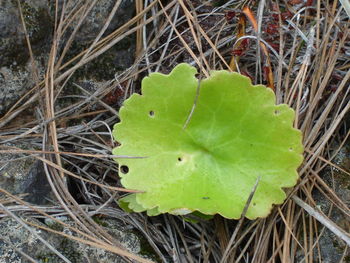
(235, 135)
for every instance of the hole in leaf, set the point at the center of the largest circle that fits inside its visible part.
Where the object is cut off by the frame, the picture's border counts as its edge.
(151, 113)
(179, 159)
(291, 148)
(277, 112)
(124, 169)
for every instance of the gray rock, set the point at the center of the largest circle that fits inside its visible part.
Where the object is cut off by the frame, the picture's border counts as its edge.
(331, 247)
(16, 71)
(15, 68)
(14, 235)
(37, 187)
(19, 175)
(15, 82)
(97, 17)
(13, 47)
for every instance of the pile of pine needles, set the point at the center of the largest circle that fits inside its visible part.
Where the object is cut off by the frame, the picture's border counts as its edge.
(298, 48)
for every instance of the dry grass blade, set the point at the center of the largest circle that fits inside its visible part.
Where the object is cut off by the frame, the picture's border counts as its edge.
(237, 228)
(325, 221)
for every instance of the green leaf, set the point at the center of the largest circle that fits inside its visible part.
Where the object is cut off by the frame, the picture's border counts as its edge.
(196, 217)
(235, 135)
(129, 204)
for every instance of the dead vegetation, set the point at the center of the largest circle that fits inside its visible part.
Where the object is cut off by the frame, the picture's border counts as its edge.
(298, 48)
